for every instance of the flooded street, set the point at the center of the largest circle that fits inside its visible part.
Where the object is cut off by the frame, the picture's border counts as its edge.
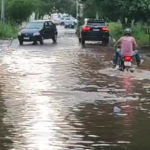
(61, 97)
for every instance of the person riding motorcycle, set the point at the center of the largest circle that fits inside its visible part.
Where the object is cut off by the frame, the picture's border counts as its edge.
(126, 47)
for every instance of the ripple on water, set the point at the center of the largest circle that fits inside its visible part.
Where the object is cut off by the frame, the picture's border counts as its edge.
(44, 107)
(138, 74)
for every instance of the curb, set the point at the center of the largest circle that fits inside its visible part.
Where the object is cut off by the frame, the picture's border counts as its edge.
(6, 39)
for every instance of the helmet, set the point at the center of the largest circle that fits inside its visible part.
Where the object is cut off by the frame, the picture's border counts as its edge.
(127, 31)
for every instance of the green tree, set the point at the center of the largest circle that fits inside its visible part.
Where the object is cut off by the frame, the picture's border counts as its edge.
(20, 10)
(136, 10)
(63, 6)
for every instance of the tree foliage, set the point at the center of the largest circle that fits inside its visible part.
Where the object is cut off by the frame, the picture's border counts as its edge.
(137, 10)
(62, 6)
(20, 10)
(113, 10)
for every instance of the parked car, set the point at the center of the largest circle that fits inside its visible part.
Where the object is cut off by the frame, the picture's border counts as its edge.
(94, 30)
(38, 30)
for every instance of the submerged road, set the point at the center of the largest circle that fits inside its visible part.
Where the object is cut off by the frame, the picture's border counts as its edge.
(61, 97)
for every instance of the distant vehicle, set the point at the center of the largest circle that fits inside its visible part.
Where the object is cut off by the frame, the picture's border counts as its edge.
(55, 15)
(56, 20)
(38, 30)
(68, 21)
(74, 19)
(94, 30)
(65, 15)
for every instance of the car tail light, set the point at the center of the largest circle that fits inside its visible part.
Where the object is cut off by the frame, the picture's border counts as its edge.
(86, 28)
(105, 29)
(127, 58)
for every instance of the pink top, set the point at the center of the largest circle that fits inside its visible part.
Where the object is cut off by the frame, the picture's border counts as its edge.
(127, 45)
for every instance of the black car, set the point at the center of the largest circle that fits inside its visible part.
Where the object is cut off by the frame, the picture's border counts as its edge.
(38, 30)
(94, 30)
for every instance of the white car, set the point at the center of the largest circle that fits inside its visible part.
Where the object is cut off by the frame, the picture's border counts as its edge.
(56, 20)
(56, 15)
(68, 21)
(74, 19)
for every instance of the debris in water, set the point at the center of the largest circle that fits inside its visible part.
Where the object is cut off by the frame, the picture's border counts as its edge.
(117, 109)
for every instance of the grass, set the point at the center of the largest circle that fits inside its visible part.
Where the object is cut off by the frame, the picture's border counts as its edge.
(116, 31)
(8, 30)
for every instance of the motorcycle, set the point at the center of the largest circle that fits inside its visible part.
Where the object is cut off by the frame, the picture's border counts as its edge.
(126, 63)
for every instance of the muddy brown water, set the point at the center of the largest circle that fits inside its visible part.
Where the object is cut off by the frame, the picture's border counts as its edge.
(61, 97)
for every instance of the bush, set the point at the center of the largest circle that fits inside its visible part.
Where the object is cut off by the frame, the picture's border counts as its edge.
(116, 31)
(8, 30)
(140, 35)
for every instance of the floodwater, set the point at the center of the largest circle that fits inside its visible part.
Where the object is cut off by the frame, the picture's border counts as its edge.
(61, 97)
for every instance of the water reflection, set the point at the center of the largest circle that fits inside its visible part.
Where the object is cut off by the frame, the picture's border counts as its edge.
(128, 86)
(36, 118)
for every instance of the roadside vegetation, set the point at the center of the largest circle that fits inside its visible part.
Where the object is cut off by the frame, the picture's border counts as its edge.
(138, 31)
(8, 30)
(16, 11)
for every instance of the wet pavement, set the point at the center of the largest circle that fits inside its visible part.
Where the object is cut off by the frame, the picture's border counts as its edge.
(61, 97)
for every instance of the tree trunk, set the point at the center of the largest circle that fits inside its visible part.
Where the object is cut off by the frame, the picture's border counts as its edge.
(123, 21)
(129, 22)
(97, 15)
(36, 16)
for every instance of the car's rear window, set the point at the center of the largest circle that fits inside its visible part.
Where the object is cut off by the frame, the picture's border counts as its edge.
(35, 25)
(68, 18)
(96, 23)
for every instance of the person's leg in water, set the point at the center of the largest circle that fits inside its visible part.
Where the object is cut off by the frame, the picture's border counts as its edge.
(137, 57)
(117, 57)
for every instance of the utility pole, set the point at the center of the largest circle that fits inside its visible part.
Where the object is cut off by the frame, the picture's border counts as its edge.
(2, 10)
(77, 8)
